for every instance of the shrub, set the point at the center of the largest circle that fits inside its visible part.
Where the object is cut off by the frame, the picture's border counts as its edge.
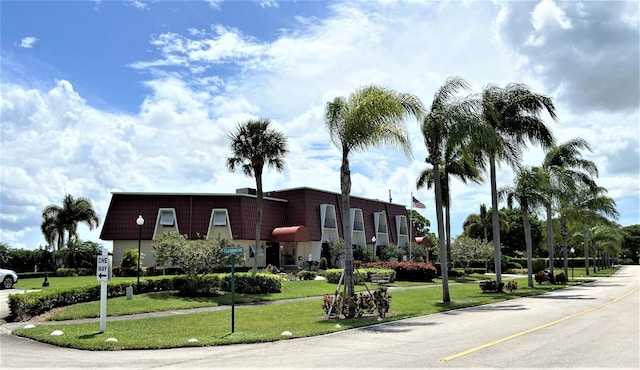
(197, 286)
(323, 264)
(512, 286)
(252, 284)
(307, 275)
(409, 271)
(130, 259)
(365, 303)
(561, 278)
(541, 277)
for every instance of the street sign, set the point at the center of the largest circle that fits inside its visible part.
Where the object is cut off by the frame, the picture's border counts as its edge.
(103, 271)
(232, 250)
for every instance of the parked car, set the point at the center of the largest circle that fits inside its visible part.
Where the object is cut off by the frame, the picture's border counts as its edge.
(7, 278)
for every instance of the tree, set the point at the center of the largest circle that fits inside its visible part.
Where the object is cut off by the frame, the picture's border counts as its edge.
(510, 118)
(631, 242)
(563, 170)
(477, 226)
(439, 127)
(254, 145)
(527, 192)
(199, 256)
(457, 162)
(588, 206)
(466, 250)
(60, 220)
(372, 116)
(420, 223)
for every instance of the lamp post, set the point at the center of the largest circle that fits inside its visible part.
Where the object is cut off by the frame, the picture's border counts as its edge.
(373, 246)
(139, 222)
(309, 261)
(572, 251)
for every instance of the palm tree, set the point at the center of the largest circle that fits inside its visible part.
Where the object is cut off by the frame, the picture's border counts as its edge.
(371, 116)
(60, 220)
(457, 162)
(446, 121)
(589, 206)
(477, 225)
(510, 118)
(564, 170)
(607, 240)
(528, 193)
(254, 145)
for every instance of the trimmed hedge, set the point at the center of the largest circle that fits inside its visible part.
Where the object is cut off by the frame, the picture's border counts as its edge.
(25, 306)
(360, 276)
(408, 271)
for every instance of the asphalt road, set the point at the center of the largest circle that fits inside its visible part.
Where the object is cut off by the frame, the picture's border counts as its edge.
(594, 325)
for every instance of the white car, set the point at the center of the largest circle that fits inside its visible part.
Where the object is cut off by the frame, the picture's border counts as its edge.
(7, 278)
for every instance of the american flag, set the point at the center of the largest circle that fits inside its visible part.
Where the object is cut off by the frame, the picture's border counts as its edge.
(416, 203)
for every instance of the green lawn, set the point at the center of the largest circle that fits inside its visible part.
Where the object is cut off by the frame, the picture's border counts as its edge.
(255, 323)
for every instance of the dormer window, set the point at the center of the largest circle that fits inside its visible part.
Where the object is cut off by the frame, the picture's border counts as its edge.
(167, 217)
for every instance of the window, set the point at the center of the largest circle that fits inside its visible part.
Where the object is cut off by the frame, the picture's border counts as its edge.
(166, 218)
(219, 217)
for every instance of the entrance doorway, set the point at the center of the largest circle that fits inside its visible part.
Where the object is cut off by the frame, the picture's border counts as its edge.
(273, 254)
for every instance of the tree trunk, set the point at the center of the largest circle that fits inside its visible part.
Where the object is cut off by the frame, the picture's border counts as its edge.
(585, 237)
(550, 238)
(495, 222)
(444, 268)
(448, 226)
(565, 244)
(345, 187)
(259, 203)
(528, 243)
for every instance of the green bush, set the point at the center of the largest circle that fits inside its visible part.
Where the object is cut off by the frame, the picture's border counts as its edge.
(198, 286)
(407, 271)
(360, 276)
(253, 284)
(323, 264)
(307, 275)
(25, 306)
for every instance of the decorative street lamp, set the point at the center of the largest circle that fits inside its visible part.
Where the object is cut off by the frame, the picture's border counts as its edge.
(572, 251)
(139, 222)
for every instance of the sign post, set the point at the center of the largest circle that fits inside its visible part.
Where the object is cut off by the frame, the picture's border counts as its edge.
(233, 251)
(103, 275)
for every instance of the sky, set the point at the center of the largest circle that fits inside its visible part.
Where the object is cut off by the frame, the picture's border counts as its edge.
(140, 96)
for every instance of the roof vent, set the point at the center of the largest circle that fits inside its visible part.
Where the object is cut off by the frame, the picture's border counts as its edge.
(250, 191)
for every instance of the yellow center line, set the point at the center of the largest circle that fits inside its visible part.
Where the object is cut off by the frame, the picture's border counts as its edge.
(487, 345)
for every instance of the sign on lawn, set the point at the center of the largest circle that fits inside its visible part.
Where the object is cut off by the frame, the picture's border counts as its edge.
(103, 271)
(232, 250)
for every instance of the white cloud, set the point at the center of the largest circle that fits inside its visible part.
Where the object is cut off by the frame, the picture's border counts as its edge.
(177, 140)
(28, 42)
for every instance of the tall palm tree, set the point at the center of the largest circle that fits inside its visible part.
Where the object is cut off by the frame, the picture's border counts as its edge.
(457, 162)
(446, 121)
(60, 220)
(564, 170)
(371, 116)
(254, 145)
(510, 118)
(528, 193)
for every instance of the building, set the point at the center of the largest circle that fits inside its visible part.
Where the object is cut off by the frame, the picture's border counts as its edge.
(297, 224)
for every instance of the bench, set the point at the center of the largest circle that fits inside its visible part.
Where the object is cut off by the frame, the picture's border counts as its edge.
(380, 279)
(490, 286)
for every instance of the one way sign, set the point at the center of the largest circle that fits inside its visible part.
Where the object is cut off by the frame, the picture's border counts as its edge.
(103, 272)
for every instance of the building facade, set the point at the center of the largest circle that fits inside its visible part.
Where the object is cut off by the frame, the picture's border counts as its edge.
(297, 224)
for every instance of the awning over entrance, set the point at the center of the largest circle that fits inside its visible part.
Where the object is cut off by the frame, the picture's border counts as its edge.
(290, 234)
(422, 241)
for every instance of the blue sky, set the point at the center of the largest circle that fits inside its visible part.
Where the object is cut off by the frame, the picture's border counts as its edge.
(102, 96)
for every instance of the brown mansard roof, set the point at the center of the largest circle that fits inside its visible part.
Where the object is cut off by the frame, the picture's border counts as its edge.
(282, 208)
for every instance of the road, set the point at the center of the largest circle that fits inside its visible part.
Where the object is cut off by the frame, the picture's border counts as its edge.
(595, 325)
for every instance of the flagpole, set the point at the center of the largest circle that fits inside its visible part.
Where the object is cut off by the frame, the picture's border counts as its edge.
(410, 225)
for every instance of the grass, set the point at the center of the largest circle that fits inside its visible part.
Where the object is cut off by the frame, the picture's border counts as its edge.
(255, 323)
